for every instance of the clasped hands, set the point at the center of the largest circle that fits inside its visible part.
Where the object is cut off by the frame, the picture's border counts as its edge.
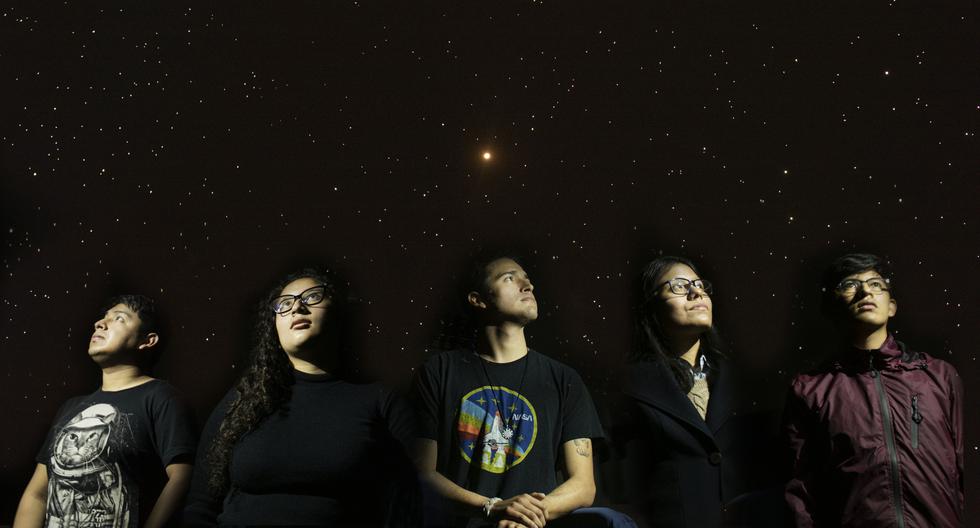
(521, 511)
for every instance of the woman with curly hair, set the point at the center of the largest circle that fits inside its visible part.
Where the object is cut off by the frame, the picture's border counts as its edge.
(295, 444)
(675, 433)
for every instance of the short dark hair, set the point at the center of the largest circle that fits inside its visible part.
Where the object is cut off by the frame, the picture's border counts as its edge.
(143, 306)
(848, 265)
(150, 322)
(476, 278)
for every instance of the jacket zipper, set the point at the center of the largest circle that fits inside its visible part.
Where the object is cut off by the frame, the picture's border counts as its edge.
(916, 420)
(886, 422)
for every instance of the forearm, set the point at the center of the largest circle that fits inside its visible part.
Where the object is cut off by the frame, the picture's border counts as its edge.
(462, 501)
(170, 499)
(574, 493)
(30, 511)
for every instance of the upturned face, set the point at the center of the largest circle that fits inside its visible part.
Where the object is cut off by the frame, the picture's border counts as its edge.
(682, 313)
(117, 334)
(865, 300)
(510, 294)
(306, 319)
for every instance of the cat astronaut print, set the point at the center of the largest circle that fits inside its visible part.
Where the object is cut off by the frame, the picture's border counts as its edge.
(86, 488)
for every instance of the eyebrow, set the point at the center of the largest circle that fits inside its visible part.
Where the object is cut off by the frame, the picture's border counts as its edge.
(121, 312)
(508, 272)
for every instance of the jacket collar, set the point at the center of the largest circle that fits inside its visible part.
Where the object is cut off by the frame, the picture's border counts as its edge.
(651, 382)
(893, 355)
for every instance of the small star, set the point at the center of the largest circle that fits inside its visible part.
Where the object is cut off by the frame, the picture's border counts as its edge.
(487, 155)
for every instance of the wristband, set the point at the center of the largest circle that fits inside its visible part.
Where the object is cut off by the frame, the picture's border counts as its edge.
(489, 505)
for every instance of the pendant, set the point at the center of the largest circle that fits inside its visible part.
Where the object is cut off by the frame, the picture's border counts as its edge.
(508, 433)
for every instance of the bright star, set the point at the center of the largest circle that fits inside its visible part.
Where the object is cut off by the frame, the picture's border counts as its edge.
(487, 155)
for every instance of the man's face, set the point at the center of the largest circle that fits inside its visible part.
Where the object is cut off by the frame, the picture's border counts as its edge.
(117, 334)
(861, 306)
(509, 293)
(302, 324)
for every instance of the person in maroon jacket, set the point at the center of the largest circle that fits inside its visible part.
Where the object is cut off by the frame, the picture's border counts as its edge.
(876, 434)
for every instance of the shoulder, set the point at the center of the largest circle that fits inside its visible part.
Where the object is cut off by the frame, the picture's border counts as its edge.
(158, 392)
(552, 364)
(447, 360)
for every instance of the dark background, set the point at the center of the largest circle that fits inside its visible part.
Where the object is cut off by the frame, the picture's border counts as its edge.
(195, 152)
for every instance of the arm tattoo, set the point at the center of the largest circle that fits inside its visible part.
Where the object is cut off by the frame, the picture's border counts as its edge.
(583, 446)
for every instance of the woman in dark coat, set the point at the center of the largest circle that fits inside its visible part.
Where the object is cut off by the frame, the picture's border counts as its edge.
(673, 432)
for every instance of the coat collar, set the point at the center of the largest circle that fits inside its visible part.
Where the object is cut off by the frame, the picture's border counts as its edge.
(651, 382)
(893, 355)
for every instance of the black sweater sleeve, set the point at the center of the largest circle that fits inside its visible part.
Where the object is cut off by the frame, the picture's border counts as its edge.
(202, 506)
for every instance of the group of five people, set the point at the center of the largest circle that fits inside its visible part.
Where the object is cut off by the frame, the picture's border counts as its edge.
(495, 433)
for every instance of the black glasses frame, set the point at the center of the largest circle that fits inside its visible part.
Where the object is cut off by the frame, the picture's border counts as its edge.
(845, 285)
(705, 286)
(301, 297)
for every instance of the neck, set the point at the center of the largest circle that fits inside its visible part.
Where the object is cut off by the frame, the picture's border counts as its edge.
(502, 343)
(687, 348)
(870, 338)
(307, 366)
(119, 377)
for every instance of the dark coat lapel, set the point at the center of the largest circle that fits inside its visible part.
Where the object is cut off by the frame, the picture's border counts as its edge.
(720, 399)
(652, 383)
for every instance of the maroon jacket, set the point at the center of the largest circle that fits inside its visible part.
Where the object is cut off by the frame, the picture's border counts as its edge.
(876, 439)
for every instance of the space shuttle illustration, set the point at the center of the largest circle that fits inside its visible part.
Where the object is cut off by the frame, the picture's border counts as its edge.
(494, 438)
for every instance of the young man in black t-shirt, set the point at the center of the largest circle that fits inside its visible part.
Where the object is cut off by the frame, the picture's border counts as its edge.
(121, 456)
(498, 420)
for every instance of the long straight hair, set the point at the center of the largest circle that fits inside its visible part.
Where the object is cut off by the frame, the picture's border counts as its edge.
(650, 342)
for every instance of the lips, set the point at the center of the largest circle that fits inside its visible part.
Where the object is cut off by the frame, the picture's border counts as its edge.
(97, 337)
(699, 307)
(866, 306)
(300, 324)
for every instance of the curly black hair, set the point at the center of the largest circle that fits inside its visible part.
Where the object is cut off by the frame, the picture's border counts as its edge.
(266, 385)
(650, 341)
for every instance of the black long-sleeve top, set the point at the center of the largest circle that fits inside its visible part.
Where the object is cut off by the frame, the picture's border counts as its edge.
(334, 455)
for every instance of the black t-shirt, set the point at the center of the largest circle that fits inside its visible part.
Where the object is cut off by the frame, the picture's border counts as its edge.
(107, 452)
(333, 456)
(501, 426)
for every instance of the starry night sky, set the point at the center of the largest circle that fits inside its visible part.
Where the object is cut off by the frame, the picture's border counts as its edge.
(196, 152)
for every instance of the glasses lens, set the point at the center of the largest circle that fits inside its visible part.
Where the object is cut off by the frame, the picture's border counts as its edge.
(877, 285)
(313, 296)
(849, 285)
(282, 304)
(704, 286)
(679, 286)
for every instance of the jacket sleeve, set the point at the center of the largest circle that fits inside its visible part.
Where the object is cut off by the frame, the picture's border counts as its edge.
(799, 429)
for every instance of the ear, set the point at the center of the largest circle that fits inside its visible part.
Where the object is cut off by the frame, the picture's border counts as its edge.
(475, 300)
(149, 341)
(892, 307)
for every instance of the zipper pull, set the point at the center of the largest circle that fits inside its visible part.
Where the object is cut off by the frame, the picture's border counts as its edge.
(871, 366)
(916, 415)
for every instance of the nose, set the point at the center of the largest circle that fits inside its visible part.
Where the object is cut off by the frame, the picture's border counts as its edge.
(863, 291)
(527, 286)
(297, 307)
(693, 292)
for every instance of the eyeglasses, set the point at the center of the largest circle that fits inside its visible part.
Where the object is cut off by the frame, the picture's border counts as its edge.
(875, 285)
(681, 286)
(308, 297)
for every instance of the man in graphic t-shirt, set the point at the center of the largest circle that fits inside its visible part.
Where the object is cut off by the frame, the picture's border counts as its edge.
(498, 419)
(121, 456)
